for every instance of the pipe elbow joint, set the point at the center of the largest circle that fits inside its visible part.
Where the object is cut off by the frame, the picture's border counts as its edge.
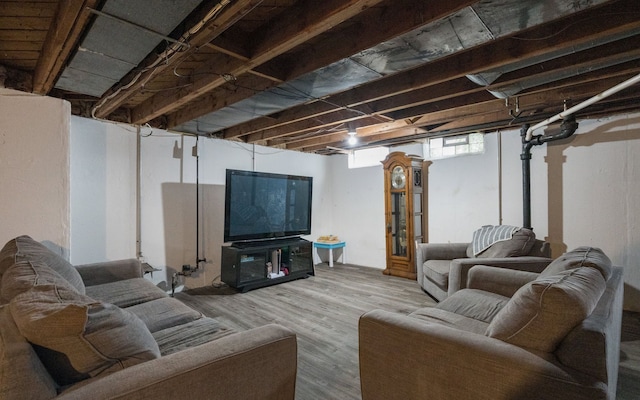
(568, 126)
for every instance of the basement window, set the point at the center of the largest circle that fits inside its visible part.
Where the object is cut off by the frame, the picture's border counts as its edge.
(453, 146)
(367, 157)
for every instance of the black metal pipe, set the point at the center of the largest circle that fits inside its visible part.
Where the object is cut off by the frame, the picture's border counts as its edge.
(197, 202)
(198, 259)
(525, 156)
(567, 128)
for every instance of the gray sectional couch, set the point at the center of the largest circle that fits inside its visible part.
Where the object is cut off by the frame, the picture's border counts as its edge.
(442, 268)
(507, 335)
(103, 331)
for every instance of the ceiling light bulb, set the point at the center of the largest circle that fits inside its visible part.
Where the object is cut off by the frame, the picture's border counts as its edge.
(352, 139)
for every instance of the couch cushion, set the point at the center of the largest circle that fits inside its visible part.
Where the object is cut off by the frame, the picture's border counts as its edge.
(598, 334)
(519, 245)
(544, 311)
(24, 248)
(437, 271)
(451, 319)
(190, 334)
(127, 292)
(164, 313)
(22, 375)
(23, 275)
(77, 337)
(477, 304)
(580, 257)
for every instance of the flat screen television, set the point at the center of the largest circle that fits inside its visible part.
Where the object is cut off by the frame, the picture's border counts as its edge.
(260, 205)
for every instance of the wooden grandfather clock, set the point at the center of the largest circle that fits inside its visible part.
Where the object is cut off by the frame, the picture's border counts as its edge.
(403, 212)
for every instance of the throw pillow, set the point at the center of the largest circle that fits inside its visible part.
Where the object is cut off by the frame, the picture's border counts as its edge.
(77, 337)
(519, 245)
(24, 248)
(22, 375)
(580, 257)
(23, 275)
(541, 313)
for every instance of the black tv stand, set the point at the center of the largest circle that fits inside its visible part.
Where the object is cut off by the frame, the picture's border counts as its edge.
(262, 242)
(251, 265)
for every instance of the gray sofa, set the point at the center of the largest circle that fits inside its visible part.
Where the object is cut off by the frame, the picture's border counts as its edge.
(103, 331)
(509, 335)
(442, 268)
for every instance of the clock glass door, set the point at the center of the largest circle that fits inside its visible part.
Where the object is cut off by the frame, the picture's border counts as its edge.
(399, 223)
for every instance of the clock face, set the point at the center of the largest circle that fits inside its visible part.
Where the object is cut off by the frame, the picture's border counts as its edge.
(398, 178)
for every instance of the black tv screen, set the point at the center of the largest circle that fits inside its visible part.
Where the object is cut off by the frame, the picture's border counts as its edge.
(260, 205)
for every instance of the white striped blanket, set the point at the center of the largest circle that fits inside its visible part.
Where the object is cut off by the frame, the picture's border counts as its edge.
(484, 237)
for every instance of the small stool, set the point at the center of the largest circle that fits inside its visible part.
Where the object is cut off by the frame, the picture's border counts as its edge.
(331, 246)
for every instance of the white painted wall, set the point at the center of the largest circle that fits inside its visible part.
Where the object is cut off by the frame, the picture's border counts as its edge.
(103, 191)
(584, 190)
(168, 197)
(464, 194)
(358, 212)
(34, 169)
(358, 209)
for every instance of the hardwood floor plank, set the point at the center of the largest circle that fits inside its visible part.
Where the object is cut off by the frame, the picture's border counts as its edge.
(324, 310)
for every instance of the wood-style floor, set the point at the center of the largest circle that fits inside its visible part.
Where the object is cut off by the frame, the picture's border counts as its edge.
(323, 311)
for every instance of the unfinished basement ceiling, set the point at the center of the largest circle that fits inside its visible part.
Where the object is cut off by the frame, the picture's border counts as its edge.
(122, 34)
(298, 74)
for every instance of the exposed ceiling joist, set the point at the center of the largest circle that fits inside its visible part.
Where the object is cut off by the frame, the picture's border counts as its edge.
(299, 74)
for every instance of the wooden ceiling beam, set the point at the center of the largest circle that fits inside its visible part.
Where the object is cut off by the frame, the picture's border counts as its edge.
(322, 108)
(338, 141)
(204, 32)
(591, 78)
(232, 91)
(571, 65)
(66, 28)
(434, 97)
(467, 116)
(338, 130)
(333, 118)
(527, 102)
(302, 23)
(501, 120)
(495, 54)
(223, 44)
(341, 116)
(375, 25)
(374, 109)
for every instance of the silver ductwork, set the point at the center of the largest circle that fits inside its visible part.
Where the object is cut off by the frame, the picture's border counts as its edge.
(469, 27)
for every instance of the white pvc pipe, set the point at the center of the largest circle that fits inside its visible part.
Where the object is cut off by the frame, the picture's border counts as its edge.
(582, 105)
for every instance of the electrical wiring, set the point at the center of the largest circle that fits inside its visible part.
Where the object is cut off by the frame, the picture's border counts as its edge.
(150, 131)
(168, 88)
(166, 55)
(240, 146)
(286, 91)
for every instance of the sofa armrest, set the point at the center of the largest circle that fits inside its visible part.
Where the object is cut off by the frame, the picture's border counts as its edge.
(406, 358)
(437, 251)
(501, 281)
(459, 270)
(109, 271)
(260, 363)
